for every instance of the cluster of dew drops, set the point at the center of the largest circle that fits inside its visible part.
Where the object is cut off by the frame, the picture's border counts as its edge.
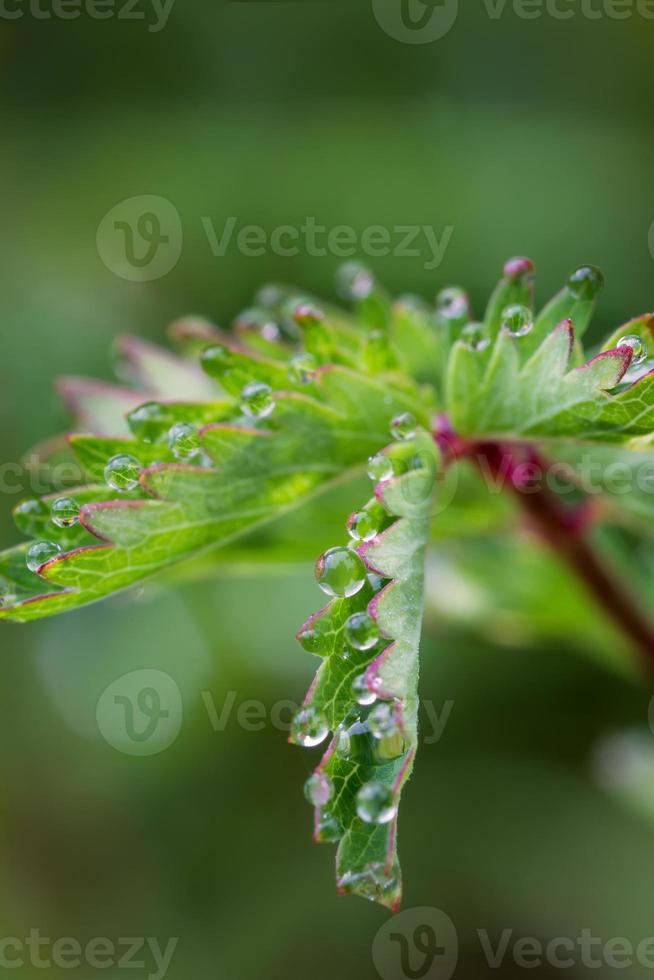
(341, 573)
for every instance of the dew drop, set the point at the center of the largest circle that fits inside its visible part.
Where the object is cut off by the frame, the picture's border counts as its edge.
(257, 400)
(474, 337)
(65, 512)
(183, 441)
(452, 303)
(329, 829)
(306, 314)
(318, 789)
(376, 581)
(363, 525)
(376, 803)
(302, 369)
(216, 360)
(638, 348)
(32, 517)
(309, 727)
(361, 692)
(340, 572)
(149, 422)
(41, 552)
(586, 283)
(381, 468)
(361, 631)
(356, 744)
(354, 281)
(122, 472)
(382, 721)
(309, 640)
(517, 320)
(375, 882)
(404, 426)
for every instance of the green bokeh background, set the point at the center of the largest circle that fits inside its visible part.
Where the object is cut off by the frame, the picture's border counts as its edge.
(528, 137)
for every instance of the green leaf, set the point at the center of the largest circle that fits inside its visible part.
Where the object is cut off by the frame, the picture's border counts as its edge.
(387, 672)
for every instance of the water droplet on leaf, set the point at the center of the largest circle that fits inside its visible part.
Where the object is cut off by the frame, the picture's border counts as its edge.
(302, 368)
(318, 789)
(452, 303)
(586, 282)
(354, 281)
(382, 721)
(375, 882)
(474, 337)
(122, 472)
(149, 422)
(309, 640)
(329, 829)
(65, 512)
(361, 631)
(41, 552)
(404, 427)
(309, 727)
(183, 441)
(637, 346)
(361, 692)
(257, 400)
(363, 525)
(340, 572)
(376, 803)
(381, 468)
(517, 320)
(216, 360)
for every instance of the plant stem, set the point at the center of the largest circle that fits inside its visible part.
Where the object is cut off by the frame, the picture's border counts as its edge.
(522, 471)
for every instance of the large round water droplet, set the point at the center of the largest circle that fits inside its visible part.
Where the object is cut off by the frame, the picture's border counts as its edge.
(149, 422)
(122, 472)
(354, 281)
(257, 400)
(381, 468)
(361, 631)
(356, 744)
(216, 360)
(318, 789)
(363, 525)
(382, 721)
(309, 727)
(302, 369)
(183, 441)
(361, 692)
(637, 347)
(586, 282)
(404, 426)
(376, 803)
(474, 337)
(309, 640)
(329, 829)
(452, 303)
(65, 512)
(32, 517)
(340, 572)
(517, 320)
(41, 552)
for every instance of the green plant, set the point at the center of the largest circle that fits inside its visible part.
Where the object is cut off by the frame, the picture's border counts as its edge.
(203, 463)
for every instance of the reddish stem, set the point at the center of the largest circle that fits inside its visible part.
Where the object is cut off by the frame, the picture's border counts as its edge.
(520, 469)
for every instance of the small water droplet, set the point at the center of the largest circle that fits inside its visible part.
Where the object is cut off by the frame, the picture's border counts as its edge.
(452, 303)
(302, 368)
(32, 517)
(122, 472)
(474, 337)
(375, 882)
(149, 422)
(257, 400)
(41, 552)
(638, 348)
(216, 360)
(354, 281)
(318, 789)
(377, 583)
(65, 512)
(404, 426)
(382, 721)
(356, 744)
(340, 572)
(309, 640)
(309, 727)
(586, 282)
(376, 803)
(361, 631)
(364, 525)
(329, 829)
(517, 320)
(183, 441)
(307, 315)
(361, 692)
(381, 468)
